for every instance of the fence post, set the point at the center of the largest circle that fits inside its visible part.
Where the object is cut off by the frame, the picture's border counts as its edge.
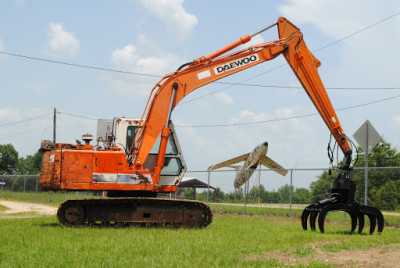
(24, 184)
(2, 185)
(291, 190)
(208, 186)
(37, 185)
(245, 190)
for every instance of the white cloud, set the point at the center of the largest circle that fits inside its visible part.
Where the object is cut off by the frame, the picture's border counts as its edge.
(396, 119)
(19, 2)
(192, 134)
(61, 44)
(128, 58)
(336, 18)
(346, 62)
(258, 39)
(288, 128)
(249, 116)
(172, 13)
(195, 140)
(124, 57)
(145, 56)
(224, 98)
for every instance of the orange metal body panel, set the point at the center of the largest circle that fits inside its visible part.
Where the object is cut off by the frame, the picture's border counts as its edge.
(77, 166)
(69, 169)
(50, 174)
(109, 162)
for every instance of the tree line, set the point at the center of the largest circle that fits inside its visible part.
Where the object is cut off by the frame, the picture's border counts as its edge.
(11, 163)
(281, 196)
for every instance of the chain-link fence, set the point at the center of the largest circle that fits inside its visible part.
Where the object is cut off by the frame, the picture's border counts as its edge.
(264, 187)
(26, 187)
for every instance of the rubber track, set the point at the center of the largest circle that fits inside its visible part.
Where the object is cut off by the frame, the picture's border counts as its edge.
(116, 215)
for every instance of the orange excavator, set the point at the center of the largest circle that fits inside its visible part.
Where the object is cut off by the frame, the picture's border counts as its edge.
(141, 158)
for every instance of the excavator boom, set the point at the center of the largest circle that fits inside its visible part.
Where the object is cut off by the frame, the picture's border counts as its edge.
(215, 66)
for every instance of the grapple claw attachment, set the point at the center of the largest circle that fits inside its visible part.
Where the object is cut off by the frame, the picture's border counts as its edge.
(343, 200)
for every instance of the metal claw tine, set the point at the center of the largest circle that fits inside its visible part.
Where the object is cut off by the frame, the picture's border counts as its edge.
(381, 222)
(313, 218)
(361, 222)
(372, 223)
(353, 219)
(304, 218)
(322, 215)
(321, 221)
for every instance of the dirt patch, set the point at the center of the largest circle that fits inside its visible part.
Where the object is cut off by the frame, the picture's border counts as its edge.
(386, 256)
(25, 210)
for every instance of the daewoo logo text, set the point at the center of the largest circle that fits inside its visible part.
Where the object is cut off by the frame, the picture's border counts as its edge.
(235, 64)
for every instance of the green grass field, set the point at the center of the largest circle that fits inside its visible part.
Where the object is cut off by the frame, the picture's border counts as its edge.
(47, 198)
(2, 208)
(231, 241)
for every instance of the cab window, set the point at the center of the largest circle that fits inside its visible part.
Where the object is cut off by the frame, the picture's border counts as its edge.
(130, 135)
(171, 146)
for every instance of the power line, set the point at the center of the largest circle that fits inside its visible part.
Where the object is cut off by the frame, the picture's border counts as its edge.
(359, 31)
(25, 120)
(77, 65)
(299, 87)
(79, 116)
(289, 118)
(26, 131)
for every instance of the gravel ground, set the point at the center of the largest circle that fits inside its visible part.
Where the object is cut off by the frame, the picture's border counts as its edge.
(15, 208)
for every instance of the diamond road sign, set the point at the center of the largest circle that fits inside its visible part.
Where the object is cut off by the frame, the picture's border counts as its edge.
(361, 137)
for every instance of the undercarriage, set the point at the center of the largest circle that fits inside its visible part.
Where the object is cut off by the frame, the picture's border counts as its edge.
(134, 211)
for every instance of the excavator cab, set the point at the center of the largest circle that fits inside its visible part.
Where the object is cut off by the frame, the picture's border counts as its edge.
(122, 131)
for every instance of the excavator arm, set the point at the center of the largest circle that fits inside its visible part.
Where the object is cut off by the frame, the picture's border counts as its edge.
(173, 87)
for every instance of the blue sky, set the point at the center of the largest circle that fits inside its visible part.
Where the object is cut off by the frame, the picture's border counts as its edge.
(155, 37)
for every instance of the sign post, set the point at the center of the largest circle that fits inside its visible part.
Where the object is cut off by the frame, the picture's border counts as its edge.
(367, 137)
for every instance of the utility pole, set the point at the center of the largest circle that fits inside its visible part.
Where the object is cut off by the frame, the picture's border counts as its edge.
(54, 125)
